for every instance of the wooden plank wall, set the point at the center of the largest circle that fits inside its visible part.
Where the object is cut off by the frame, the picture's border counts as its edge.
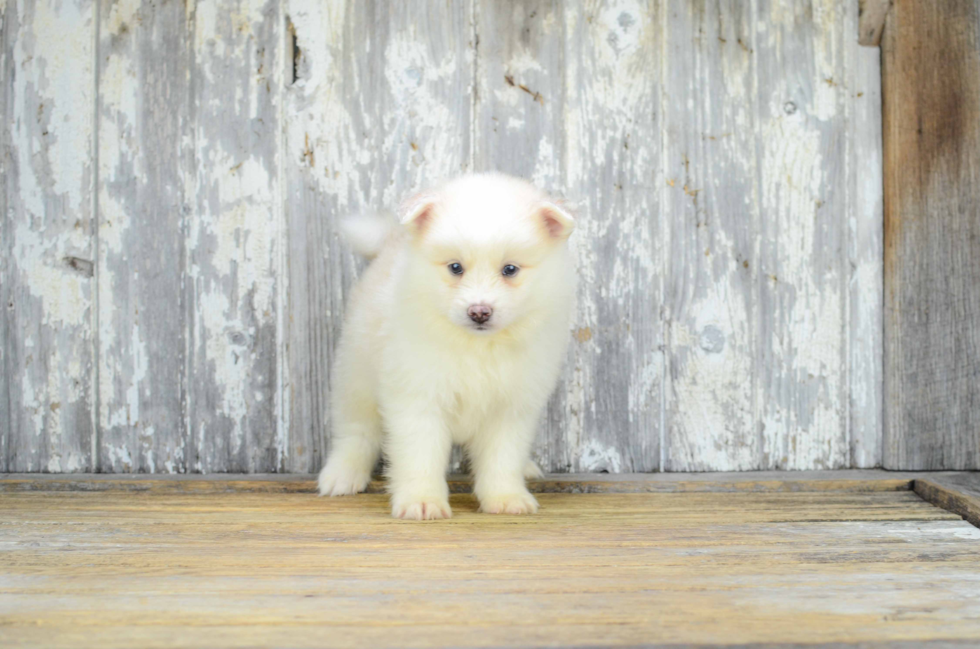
(177, 290)
(47, 280)
(931, 113)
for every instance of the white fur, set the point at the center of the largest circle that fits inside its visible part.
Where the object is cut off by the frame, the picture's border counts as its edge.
(367, 234)
(415, 374)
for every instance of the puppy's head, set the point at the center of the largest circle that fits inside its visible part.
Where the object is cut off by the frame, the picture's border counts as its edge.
(488, 251)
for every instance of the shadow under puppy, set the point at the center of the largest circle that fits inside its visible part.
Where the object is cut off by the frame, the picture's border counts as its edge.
(455, 334)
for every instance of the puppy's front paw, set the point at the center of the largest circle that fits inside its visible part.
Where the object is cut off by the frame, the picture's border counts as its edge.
(516, 503)
(337, 479)
(420, 509)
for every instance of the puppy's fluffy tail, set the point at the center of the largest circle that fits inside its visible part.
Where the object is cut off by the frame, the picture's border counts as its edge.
(367, 233)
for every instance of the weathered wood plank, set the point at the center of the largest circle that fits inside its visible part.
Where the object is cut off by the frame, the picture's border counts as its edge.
(368, 512)
(142, 108)
(236, 238)
(380, 107)
(932, 235)
(613, 124)
(850, 480)
(777, 364)
(958, 493)
(6, 73)
(754, 160)
(272, 634)
(714, 223)
(872, 21)
(519, 128)
(865, 214)
(518, 109)
(589, 570)
(567, 97)
(803, 274)
(46, 235)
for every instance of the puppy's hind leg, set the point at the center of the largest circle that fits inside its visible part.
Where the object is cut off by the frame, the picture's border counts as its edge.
(357, 435)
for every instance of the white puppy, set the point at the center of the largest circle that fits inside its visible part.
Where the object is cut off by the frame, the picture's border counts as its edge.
(455, 334)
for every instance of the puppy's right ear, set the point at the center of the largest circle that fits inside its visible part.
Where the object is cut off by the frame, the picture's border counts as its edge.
(556, 219)
(418, 211)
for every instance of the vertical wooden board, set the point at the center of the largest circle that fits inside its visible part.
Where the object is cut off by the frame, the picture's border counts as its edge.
(6, 73)
(865, 332)
(519, 129)
(871, 20)
(520, 90)
(47, 242)
(803, 194)
(613, 55)
(142, 112)
(931, 116)
(710, 170)
(235, 238)
(384, 99)
(567, 97)
(379, 107)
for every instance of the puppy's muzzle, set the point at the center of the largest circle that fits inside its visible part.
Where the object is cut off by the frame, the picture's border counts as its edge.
(479, 313)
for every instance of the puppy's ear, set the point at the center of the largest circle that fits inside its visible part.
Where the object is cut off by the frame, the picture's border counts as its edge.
(555, 219)
(417, 212)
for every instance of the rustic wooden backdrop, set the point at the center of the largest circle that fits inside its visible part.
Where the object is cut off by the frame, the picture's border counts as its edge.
(931, 85)
(173, 283)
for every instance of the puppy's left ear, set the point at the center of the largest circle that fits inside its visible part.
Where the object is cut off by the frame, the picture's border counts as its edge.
(556, 220)
(417, 212)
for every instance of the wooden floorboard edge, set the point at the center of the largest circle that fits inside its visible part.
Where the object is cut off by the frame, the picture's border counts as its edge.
(854, 480)
(958, 493)
(883, 644)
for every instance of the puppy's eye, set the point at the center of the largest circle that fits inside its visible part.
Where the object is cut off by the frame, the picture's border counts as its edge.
(509, 270)
(456, 268)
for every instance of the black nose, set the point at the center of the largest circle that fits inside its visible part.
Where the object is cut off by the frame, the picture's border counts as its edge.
(479, 313)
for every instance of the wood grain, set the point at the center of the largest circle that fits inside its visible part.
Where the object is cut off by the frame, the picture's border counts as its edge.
(158, 570)
(380, 108)
(714, 222)
(614, 133)
(143, 120)
(872, 23)
(723, 160)
(236, 239)
(803, 272)
(520, 128)
(47, 243)
(566, 96)
(932, 235)
(853, 480)
(774, 211)
(865, 254)
(958, 493)
(6, 413)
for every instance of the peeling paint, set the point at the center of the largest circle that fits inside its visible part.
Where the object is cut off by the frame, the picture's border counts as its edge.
(866, 249)
(728, 234)
(596, 458)
(140, 226)
(47, 177)
(235, 236)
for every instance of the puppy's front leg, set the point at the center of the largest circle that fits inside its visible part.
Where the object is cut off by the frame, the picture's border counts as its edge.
(418, 454)
(500, 456)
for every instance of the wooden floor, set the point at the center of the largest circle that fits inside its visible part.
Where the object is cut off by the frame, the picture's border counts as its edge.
(245, 568)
